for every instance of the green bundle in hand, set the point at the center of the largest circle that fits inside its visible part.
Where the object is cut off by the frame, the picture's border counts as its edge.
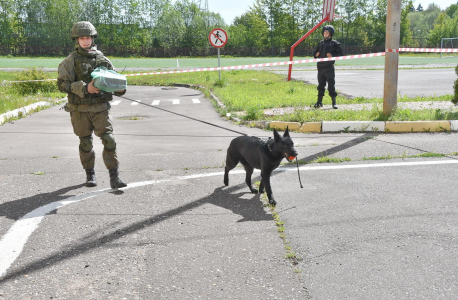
(109, 80)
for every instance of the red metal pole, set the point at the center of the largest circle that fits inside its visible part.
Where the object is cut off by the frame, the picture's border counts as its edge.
(299, 41)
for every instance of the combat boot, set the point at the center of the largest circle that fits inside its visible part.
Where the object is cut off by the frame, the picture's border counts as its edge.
(319, 103)
(115, 182)
(90, 178)
(334, 103)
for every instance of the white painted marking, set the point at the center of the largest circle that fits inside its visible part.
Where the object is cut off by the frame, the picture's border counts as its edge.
(115, 102)
(156, 102)
(13, 242)
(176, 101)
(195, 101)
(136, 102)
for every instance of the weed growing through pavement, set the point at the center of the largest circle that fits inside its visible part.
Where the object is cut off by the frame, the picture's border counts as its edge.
(38, 173)
(291, 255)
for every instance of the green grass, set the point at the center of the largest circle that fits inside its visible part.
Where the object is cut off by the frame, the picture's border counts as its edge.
(242, 89)
(374, 114)
(17, 95)
(252, 91)
(427, 154)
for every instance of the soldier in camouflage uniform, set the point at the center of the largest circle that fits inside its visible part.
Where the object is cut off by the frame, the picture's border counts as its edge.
(89, 106)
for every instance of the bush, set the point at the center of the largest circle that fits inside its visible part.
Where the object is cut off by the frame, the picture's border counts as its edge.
(254, 113)
(34, 87)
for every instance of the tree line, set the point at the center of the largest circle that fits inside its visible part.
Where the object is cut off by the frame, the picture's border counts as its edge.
(166, 28)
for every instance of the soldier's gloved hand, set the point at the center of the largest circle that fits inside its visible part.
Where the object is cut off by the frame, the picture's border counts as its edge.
(328, 54)
(91, 89)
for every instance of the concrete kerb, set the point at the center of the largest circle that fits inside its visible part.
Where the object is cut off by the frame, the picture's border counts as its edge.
(22, 111)
(368, 126)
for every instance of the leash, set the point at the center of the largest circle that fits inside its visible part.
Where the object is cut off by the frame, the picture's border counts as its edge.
(208, 123)
(298, 174)
(182, 115)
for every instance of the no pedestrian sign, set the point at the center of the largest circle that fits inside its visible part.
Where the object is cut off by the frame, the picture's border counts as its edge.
(218, 37)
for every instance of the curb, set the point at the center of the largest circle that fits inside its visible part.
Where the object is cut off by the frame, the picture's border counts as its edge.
(418, 126)
(23, 110)
(358, 126)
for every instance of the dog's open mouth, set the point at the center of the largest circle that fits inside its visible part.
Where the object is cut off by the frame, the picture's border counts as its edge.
(289, 158)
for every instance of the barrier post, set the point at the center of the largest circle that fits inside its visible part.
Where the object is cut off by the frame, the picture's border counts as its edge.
(299, 41)
(393, 35)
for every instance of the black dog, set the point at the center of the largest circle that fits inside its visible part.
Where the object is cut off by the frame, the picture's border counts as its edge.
(253, 152)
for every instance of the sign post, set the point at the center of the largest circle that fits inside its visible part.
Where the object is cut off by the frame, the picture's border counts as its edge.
(218, 38)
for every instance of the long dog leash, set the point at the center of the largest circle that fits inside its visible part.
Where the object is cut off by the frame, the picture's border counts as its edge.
(208, 123)
(182, 115)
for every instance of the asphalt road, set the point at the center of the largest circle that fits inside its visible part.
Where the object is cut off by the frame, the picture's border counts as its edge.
(369, 83)
(362, 229)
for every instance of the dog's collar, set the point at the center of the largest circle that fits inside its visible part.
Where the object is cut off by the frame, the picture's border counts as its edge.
(270, 149)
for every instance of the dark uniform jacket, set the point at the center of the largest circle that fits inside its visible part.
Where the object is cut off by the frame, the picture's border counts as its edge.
(328, 46)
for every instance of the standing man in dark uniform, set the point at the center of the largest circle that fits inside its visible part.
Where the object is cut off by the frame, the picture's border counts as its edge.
(88, 106)
(326, 73)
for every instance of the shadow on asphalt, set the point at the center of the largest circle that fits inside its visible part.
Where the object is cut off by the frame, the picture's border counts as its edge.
(341, 147)
(18, 208)
(249, 209)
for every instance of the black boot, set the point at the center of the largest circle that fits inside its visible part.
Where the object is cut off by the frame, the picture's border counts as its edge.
(334, 103)
(90, 178)
(319, 103)
(115, 182)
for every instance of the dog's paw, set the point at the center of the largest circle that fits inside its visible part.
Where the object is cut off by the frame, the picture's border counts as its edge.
(272, 202)
(254, 191)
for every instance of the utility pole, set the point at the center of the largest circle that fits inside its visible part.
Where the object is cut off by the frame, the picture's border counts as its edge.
(392, 39)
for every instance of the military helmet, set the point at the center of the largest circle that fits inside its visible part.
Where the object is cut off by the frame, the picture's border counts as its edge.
(83, 28)
(329, 28)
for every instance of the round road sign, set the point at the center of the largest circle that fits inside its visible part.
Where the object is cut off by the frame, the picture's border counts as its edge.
(218, 37)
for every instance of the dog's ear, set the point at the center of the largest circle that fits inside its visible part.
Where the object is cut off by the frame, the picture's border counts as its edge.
(277, 137)
(286, 132)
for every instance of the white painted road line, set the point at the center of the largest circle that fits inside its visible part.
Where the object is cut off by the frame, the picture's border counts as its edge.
(156, 102)
(136, 102)
(195, 101)
(13, 242)
(177, 101)
(115, 102)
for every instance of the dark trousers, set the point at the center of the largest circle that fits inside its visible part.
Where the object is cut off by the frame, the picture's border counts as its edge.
(326, 74)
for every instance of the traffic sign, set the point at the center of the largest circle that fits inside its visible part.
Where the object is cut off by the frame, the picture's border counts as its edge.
(218, 38)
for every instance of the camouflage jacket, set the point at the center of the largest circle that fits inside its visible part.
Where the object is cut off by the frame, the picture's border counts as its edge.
(74, 74)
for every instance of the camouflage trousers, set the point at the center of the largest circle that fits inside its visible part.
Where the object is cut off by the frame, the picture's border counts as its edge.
(84, 124)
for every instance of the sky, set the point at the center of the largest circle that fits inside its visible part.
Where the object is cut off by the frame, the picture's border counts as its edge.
(235, 8)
